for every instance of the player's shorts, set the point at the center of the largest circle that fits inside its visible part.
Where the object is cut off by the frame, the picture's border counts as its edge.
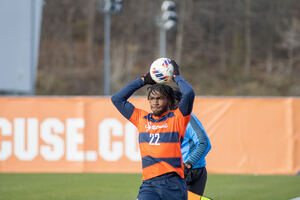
(199, 177)
(168, 186)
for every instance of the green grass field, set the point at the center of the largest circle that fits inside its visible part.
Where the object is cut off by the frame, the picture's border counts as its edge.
(125, 187)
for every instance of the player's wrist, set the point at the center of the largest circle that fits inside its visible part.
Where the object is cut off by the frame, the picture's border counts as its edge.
(188, 165)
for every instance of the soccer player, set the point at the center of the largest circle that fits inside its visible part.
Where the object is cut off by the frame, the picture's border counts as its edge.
(160, 135)
(194, 148)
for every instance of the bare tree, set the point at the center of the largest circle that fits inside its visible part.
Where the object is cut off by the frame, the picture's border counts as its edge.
(247, 36)
(91, 9)
(291, 41)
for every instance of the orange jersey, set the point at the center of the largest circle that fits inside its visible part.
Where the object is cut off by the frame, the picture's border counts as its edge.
(160, 140)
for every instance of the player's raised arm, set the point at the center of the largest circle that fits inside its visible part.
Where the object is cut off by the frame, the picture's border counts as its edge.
(120, 98)
(188, 95)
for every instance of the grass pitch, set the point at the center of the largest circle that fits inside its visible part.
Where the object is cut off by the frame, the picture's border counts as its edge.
(125, 187)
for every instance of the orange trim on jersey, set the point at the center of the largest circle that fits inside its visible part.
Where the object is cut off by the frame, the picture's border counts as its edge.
(159, 169)
(161, 149)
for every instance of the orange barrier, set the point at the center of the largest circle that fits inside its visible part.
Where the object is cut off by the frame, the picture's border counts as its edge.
(87, 134)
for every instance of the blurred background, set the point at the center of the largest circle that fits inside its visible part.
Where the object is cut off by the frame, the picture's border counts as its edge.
(224, 48)
(60, 60)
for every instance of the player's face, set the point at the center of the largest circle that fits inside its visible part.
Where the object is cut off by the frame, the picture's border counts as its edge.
(158, 103)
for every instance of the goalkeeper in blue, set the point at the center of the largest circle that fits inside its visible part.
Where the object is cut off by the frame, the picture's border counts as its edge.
(194, 148)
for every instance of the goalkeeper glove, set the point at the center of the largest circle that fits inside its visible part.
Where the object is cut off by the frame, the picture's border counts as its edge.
(147, 79)
(176, 68)
(188, 173)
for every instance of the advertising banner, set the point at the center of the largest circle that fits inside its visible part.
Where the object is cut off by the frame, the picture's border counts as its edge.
(88, 134)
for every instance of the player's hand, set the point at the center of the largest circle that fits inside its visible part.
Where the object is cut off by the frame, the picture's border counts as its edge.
(176, 68)
(147, 79)
(188, 174)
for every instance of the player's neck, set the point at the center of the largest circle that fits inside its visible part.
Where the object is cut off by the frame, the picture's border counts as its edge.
(164, 113)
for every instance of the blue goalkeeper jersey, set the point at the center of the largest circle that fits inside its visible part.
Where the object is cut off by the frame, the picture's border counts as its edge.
(195, 144)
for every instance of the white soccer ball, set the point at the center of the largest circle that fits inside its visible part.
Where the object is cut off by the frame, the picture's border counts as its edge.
(161, 70)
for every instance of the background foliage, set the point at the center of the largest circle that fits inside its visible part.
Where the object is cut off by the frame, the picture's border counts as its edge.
(232, 47)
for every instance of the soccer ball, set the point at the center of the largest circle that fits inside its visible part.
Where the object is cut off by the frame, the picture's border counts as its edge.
(161, 70)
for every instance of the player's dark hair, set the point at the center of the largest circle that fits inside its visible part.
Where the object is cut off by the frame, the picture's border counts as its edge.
(163, 89)
(177, 97)
(177, 94)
